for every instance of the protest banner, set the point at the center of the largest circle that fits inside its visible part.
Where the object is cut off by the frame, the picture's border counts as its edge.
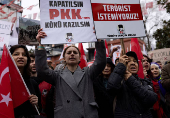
(66, 21)
(161, 55)
(28, 30)
(117, 19)
(5, 28)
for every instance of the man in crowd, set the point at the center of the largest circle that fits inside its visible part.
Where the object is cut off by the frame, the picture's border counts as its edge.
(45, 89)
(32, 66)
(160, 64)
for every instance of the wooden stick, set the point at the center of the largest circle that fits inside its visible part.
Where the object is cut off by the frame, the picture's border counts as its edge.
(122, 46)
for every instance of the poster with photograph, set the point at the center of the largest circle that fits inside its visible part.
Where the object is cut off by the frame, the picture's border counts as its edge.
(28, 30)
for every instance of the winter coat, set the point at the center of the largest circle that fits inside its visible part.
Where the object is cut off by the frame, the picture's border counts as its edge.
(74, 96)
(27, 109)
(135, 96)
(166, 82)
(103, 99)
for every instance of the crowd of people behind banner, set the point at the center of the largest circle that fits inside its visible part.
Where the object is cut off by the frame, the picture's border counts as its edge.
(103, 90)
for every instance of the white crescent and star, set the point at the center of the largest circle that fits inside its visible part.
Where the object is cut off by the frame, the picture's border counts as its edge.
(6, 70)
(5, 98)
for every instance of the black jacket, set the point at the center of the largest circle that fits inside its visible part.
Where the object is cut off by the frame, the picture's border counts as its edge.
(103, 99)
(135, 96)
(26, 109)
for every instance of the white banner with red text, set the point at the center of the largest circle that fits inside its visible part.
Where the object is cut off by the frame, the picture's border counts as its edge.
(117, 19)
(5, 29)
(66, 21)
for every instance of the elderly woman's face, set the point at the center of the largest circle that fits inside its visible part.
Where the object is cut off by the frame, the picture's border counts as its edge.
(20, 57)
(107, 69)
(155, 71)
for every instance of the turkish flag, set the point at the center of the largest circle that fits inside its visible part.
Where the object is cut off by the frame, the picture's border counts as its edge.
(6, 103)
(19, 90)
(107, 51)
(30, 7)
(135, 47)
(83, 61)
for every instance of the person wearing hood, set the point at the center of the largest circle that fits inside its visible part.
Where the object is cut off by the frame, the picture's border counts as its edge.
(134, 96)
(103, 99)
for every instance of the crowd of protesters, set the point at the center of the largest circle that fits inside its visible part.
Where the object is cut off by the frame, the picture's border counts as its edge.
(103, 90)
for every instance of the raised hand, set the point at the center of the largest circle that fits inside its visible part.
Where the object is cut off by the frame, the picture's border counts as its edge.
(40, 35)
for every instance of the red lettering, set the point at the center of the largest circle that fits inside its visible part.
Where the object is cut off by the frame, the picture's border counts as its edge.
(74, 13)
(53, 13)
(65, 14)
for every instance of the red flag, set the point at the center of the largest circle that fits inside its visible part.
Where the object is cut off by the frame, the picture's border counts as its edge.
(34, 15)
(19, 90)
(14, 19)
(135, 47)
(24, 16)
(6, 103)
(90, 63)
(149, 5)
(107, 51)
(83, 61)
(30, 7)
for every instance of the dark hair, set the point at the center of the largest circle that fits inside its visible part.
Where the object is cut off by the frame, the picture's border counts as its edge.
(27, 66)
(158, 62)
(149, 60)
(149, 71)
(32, 55)
(69, 47)
(116, 59)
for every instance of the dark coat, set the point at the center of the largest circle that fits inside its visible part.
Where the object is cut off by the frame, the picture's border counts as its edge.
(74, 96)
(26, 109)
(166, 82)
(135, 96)
(103, 99)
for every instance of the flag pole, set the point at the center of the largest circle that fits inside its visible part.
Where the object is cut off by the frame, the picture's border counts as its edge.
(21, 77)
(122, 45)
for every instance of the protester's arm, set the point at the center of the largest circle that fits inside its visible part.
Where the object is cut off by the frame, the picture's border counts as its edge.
(165, 78)
(42, 68)
(100, 60)
(146, 94)
(113, 50)
(114, 82)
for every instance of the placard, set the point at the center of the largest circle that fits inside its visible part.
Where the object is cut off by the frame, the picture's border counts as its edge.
(66, 21)
(117, 19)
(5, 28)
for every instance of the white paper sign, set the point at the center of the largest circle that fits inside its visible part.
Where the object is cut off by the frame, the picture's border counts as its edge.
(5, 28)
(66, 21)
(116, 54)
(118, 18)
